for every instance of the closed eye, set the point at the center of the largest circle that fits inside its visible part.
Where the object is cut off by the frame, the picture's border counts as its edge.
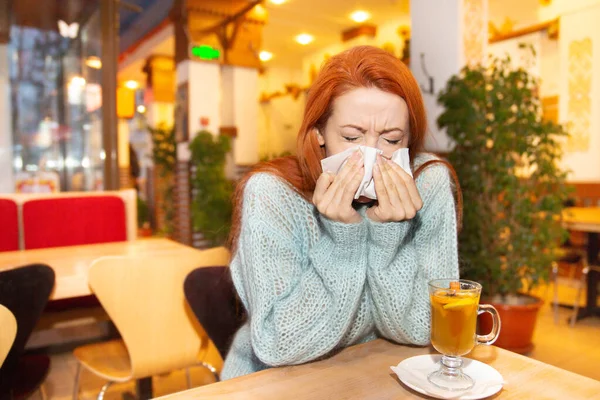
(392, 142)
(350, 139)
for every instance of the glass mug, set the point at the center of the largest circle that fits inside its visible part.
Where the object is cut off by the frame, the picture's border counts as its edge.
(454, 310)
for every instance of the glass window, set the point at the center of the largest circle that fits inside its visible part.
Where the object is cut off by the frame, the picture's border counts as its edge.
(55, 70)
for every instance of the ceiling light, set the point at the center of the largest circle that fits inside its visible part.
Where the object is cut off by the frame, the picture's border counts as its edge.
(304, 39)
(277, 2)
(265, 55)
(360, 16)
(141, 109)
(93, 62)
(132, 85)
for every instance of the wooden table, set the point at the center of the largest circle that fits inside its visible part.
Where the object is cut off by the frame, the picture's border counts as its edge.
(587, 219)
(363, 372)
(71, 264)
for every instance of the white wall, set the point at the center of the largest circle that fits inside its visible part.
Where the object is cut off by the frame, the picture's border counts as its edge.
(585, 165)
(435, 33)
(559, 8)
(245, 114)
(204, 93)
(280, 118)
(521, 57)
(204, 98)
(7, 184)
(522, 13)
(386, 33)
(549, 66)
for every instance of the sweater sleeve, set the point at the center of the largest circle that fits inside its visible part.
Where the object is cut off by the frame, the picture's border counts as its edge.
(301, 298)
(405, 256)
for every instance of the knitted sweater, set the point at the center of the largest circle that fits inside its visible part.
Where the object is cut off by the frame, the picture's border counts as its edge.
(312, 285)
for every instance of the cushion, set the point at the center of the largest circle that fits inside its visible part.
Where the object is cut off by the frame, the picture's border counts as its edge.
(70, 221)
(9, 231)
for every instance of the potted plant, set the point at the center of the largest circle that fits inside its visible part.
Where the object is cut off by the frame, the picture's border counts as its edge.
(164, 158)
(506, 158)
(143, 218)
(211, 207)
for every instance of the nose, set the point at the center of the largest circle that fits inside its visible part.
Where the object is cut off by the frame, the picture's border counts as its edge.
(371, 139)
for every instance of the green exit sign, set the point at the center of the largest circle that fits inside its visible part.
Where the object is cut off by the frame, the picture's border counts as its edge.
(205, 52)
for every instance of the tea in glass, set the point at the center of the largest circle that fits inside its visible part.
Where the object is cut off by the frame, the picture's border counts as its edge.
(453, 321)
(454, 309)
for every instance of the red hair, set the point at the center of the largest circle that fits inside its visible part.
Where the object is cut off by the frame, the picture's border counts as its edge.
(362, 66)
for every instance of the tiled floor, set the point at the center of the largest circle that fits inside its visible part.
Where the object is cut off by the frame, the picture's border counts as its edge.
(575, 349)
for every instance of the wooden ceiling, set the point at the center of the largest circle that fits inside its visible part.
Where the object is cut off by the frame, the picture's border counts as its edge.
(44, 14)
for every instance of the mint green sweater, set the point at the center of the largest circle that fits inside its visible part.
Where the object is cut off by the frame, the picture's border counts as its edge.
(312, 286)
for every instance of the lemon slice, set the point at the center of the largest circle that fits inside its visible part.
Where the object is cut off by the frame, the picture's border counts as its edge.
(459, 303)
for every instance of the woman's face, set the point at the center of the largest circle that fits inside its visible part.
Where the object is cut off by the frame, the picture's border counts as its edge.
(368, 117)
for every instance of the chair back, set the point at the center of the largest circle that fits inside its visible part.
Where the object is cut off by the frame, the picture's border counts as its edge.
(7, 333)
(25, 292)
(69, 221)
(144, 298)
(9, 234)
(210, 293)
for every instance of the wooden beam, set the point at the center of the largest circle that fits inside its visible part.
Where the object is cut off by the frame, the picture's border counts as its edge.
(233, 18)
(362, 30)
(551, 26)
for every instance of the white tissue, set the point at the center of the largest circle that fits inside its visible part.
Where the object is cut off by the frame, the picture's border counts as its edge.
(367, 185)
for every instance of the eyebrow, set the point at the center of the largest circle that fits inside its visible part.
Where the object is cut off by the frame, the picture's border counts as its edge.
(358, 128)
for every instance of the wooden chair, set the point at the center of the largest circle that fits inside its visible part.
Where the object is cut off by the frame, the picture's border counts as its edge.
(586, 194)
(210, 293)
(7, 333)
(572, 258)
(144, 298)
(580, 288)
(25, 292)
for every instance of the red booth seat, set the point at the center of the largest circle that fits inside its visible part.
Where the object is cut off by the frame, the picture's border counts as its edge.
(69, 221)
(9, 225)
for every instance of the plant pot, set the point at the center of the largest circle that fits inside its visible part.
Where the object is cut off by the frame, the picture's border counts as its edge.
(518, 316)
(144, 232)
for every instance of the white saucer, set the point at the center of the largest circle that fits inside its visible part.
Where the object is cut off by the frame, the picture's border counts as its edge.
(413, 373)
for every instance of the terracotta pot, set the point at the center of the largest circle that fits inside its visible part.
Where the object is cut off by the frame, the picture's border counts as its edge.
(518, 323)
(144, 232)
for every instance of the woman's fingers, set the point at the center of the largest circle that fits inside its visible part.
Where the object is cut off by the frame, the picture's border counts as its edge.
(397, 197)
(352, 185)
(410, 185)
(333, 194)
(391, 205)
(321, 186)
(346, 185)
(401, 194)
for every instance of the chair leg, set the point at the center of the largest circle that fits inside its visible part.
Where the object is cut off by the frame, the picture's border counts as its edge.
(188, 378)
(211, 369)
(103, 390)
(76, 385)
(555, 284)
(580, 287)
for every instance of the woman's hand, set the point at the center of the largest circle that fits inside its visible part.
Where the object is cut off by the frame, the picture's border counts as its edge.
(334, 194)
(397, 196)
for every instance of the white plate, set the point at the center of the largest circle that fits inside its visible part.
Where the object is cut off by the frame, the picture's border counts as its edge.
(413, 373)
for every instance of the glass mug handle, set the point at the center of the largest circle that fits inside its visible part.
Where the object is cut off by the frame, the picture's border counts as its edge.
(491, 337)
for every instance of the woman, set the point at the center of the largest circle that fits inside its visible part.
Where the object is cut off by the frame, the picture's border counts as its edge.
(318, 271)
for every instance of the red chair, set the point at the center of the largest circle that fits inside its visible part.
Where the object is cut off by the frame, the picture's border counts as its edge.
(70, 221)
(9, 234)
